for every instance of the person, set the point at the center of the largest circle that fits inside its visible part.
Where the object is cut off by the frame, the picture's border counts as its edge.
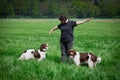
(67, 39)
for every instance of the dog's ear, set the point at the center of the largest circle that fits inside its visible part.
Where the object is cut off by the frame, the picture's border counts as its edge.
(74, 51)
(70, 51)
(42, 46)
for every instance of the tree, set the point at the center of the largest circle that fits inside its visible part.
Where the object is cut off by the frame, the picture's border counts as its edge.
(53, 8)
(85, 9)
(35, 9)
(20, 7)
(110, 8)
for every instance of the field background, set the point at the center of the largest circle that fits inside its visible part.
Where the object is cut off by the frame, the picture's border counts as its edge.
(100, 36)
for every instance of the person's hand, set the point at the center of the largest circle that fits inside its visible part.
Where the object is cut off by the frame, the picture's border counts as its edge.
(88, 19)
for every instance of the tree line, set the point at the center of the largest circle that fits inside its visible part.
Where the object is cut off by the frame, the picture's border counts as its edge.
(54, 8)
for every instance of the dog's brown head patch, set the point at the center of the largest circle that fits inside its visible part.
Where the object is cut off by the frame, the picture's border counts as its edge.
(43, 47)
(72, 53)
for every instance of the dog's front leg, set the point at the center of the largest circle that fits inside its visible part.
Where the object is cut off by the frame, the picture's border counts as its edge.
(77, 63)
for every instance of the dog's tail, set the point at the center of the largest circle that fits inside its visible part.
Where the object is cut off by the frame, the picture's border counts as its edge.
(98, 59)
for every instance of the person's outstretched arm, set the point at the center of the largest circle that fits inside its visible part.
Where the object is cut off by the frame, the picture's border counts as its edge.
(83, 21)
(53, 29)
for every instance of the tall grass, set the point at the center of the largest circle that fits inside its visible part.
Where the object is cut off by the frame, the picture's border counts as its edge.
(102, 37)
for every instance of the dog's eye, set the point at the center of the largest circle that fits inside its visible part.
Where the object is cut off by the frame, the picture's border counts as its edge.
(71, 54)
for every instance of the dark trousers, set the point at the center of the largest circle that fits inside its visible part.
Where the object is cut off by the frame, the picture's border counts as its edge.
(65, 46)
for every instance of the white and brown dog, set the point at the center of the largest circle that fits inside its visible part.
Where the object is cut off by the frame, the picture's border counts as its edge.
(88, 58)
(39, 54)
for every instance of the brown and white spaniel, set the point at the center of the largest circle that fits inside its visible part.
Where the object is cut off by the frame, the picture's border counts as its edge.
(39, 54)
(88, 58)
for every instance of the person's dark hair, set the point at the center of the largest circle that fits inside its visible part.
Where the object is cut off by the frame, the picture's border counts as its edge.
(62, 17)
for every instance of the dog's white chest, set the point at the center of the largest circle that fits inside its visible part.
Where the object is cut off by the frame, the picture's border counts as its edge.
(77, 59)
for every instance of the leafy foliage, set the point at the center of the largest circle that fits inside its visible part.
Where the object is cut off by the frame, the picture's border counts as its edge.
(54, 8)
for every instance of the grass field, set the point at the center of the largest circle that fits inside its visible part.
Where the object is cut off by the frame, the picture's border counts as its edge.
(101, 36)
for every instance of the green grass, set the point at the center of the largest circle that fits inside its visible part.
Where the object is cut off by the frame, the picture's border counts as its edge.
(100, 36)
